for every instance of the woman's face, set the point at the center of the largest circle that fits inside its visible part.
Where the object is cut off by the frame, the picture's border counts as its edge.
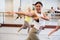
(38, 7)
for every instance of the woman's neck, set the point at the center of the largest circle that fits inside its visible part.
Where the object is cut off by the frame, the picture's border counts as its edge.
(38, 11)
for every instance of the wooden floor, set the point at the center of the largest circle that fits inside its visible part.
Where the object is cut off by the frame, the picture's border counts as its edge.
(11, 33)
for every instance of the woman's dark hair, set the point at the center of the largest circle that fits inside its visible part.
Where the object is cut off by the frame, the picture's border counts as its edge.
(38, 3)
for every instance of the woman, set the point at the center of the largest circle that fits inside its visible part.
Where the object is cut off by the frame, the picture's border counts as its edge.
(27, 21)
(37, 23)
(56, 29)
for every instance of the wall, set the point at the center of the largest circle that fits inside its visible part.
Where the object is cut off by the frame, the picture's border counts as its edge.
(2, 5)
(8, 5)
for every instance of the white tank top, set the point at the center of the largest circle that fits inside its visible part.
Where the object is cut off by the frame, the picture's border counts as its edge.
(41, 21)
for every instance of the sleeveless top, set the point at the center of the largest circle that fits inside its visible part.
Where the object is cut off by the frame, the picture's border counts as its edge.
(40, 23)
(27, 18)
